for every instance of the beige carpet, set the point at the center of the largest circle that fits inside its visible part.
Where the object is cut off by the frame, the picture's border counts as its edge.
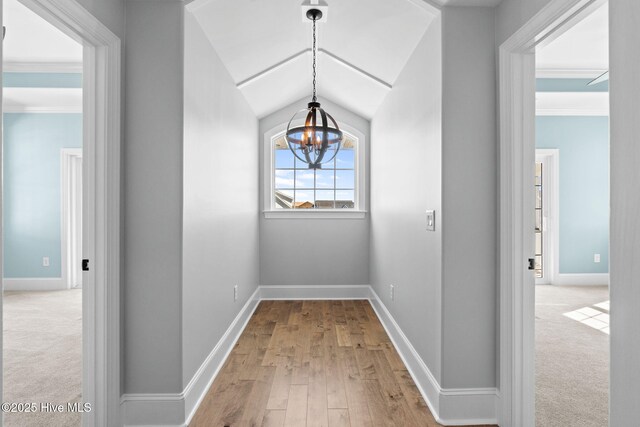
(43, 354)
(572, 358)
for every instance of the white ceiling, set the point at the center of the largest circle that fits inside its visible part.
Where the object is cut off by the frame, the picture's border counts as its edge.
(41, 100)
(572, 103)
(583, 48)
(265, 45)
(30, 39)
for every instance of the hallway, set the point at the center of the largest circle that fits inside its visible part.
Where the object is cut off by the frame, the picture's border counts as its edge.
(314, 363)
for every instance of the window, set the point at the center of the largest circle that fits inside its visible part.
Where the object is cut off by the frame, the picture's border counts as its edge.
(296, 189)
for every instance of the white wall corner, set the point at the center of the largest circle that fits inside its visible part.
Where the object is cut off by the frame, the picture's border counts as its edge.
(450, 407)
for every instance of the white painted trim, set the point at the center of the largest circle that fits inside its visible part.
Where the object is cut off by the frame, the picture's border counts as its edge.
(67, 220)
(321, 52)
(323, 292)
(203, 378)
(517, 144)
(34, 284)
(42, 67)
(451, 407)
(178, 409)
(584, 279)
(542, 73)
(572, 103)
(551, 213)
(350, 66)
(572, 112)
(269, 70)
(101, 203)
(315, 213)
(35, 110)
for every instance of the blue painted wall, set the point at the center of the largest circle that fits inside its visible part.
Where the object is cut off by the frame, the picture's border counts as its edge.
(54, 80)
(584, 188)
(570, 85)
(31, 184)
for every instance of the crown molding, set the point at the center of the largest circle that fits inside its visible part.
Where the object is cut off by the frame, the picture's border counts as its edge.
(555, 73)
(42, 67)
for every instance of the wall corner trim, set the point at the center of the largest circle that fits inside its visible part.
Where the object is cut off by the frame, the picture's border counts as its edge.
(450, 407)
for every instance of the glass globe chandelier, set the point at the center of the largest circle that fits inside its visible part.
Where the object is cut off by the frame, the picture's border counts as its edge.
(312, 134)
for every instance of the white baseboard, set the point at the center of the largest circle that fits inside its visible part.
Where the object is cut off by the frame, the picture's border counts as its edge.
(177, 410)
(197, 388)
(159, 409)
(450, 407)
(314, 292)
(590, 279)
(34, 284)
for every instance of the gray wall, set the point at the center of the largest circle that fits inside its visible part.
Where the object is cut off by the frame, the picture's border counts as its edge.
(152, 160)
(624, 16)
(445, 281)
(469, 198)
(406, 156)
(343, 244)
(109, 12)
(220, 214)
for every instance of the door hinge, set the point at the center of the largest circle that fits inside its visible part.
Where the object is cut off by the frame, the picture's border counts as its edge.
(85, 265)
(532, 263)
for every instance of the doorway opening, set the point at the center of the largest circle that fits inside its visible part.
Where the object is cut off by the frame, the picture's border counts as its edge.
(91, 86)
(42, 211)
(572, 225)
(518, 250)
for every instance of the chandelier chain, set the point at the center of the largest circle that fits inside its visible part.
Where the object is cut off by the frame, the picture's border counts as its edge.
(314, 60)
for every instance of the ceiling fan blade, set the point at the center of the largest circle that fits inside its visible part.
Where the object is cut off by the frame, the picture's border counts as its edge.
(601, 78)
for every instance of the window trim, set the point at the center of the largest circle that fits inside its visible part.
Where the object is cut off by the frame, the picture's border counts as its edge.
(358, 212)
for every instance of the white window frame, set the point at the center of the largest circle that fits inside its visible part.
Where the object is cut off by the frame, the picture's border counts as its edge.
(271, 212)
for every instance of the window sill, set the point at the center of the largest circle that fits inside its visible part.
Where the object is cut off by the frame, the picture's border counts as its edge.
(315, 214)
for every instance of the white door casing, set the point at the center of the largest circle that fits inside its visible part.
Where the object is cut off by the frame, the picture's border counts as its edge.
(71, 204)
(516, 406)
(550, 159)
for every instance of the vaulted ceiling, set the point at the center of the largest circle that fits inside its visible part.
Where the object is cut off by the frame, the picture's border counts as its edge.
(363, 47)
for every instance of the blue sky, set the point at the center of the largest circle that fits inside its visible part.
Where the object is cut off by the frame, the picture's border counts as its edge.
(302, 178)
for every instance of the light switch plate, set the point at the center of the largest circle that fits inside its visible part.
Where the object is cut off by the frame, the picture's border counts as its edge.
(431, 220)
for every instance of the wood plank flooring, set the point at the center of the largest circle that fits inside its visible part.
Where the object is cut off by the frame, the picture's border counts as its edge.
(313, 363)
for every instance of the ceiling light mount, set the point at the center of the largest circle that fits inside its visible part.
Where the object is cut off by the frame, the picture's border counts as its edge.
(314, 14)
(312, 134)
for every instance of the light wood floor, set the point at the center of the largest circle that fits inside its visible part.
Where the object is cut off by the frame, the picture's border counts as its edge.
(313, 363)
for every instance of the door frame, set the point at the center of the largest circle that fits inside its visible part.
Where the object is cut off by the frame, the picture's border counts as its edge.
(516, 59)
(101, 204)
(68, 157)
(550, 157)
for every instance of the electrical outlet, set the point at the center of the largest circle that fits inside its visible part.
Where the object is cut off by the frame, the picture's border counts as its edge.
(596, 257)
(45, 261)
(235, 293)
(392, 292)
